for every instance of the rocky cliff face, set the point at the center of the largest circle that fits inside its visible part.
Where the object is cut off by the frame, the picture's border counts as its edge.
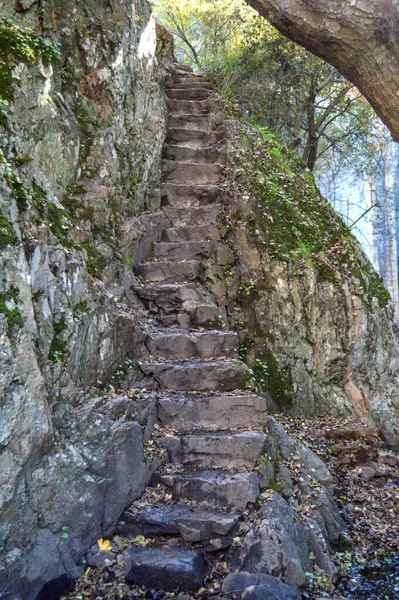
(316, 321)
(81, 141)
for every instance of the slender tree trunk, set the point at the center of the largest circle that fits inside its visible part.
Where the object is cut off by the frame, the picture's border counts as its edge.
(359, 37)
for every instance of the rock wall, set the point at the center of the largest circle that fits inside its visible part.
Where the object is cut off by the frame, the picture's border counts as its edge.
(316, 323)
(81, 143)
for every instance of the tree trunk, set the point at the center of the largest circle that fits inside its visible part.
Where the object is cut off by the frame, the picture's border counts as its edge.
(359, 37)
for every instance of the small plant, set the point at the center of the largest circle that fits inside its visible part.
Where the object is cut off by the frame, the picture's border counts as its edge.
(64, 532)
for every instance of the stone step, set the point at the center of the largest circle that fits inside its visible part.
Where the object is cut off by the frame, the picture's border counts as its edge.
(215, 487)
(176, 520)
(166, 298)
(179, 345)
(169, 569)
(185, 412)
(219, 450)
(183, 67)
(184, 250)
(193, 107)
(186, 154)
(207, 316)
(169, 272)
(191, 173)
(187, 196)
(201, 215)
(190, 93)
(188, 83)
(195, 137)
(192, 233)
(201, 376)
(206, 122)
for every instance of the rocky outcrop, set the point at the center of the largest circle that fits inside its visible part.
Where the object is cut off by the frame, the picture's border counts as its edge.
(314, 319)
(81, 140)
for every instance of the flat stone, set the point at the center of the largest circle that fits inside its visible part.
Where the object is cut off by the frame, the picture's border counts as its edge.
(186, 196)
(192, 233)
(190, 82)
(191, 173)
(223, 450)
(188, 154)
(188, 106)
(243, 583)
(216, 488)
(168, 569)
(183, 345)
(191, 93)
(184, 250)
(175, 520)
(201, 215)
(95, 558)
(194, 137)
(169, 271)
(366, 473)
(199, 376)
(202, 122)
(185, 413)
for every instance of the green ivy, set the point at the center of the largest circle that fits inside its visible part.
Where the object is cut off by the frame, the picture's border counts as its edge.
(8, 237)
(12, 314)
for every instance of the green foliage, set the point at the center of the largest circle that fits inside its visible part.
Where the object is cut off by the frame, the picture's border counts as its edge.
(20, 44)
(7, 307)
(81, 308)
(8, 237)
(58, 350)
(57, 219)
(14, 183)
(293, 222)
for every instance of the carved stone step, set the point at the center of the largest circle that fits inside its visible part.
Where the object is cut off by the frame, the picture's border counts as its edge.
(185, 412)
(177, 520)
(194, 251)
(221, 450)
(194, 107)
(171, 297)
(201, 215)
(167, 568)
(208, 316)
(222, 375)
(181, 67)
(187, 196)
(193, 233)
(192, 155)
(194, 137)
(191, 93)
(216, 488)
(169, 272)
(184, 250)
(205, 122)
(180, 345)
(191, 173)
(190, 82)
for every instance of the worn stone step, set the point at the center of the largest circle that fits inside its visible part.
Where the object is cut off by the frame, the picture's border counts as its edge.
(175, 520)
(169, 272)
(192, 233)
(192, 155)
(194, 251)
(190, 82)
(205, 122)
(180, 345)
(194, 107)
(170, 300)
(191, 173)
(191, 93)
(201, 215)
(167, 569)
(208, 316)
(219, 450)
(189, 196)
(219, 375)
(194, 137)
(215, 487)
(184, 250)
(182, 67)
(185, 412)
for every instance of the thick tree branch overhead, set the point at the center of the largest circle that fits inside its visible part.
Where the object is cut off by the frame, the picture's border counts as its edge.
(359, 37)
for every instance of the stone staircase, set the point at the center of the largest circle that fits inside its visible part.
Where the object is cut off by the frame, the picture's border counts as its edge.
(206, 402)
